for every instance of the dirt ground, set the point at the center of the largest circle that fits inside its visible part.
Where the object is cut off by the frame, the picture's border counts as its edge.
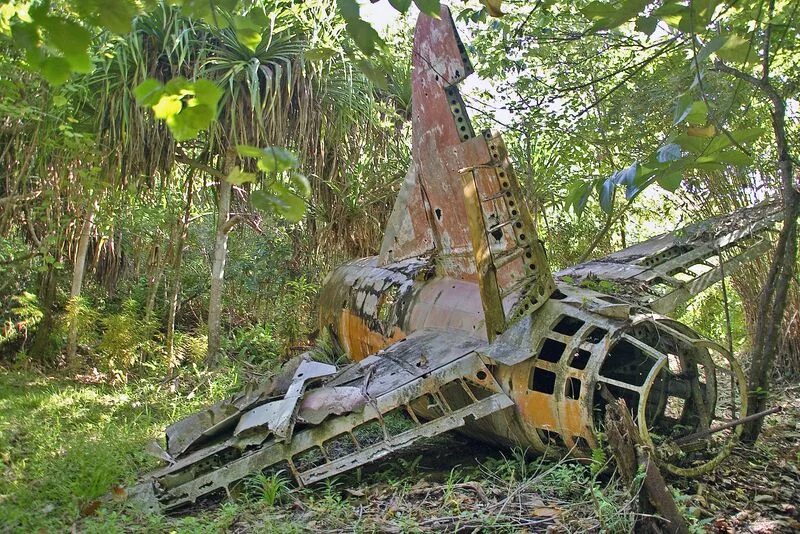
(757, 489)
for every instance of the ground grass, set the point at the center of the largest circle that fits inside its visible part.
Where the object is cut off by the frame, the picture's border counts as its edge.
(66, 443)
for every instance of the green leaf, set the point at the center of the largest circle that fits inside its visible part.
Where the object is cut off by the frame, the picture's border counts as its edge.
(38, 10)
(207, 92)
(59, 101)
(320, 53)
(248, 151)
(117, 15)
(167, 106)
(349, 9)
(431, 8)
(578, 197)
(280, 201)
(734, 157)
(670, 180)
(148, 92)
(669, 152)
(400, 5)
(627, 175)
(691, 111)
(609, 16)
(745, 135)
(186, 107)
(698, 113)
(178, 85)
(55, 70)
(695, 145)
(25, 34)
(607, 194)
(262, 201)
(364, 35)
(72, 39)
(646, 25)
(301, 184)
(640, 184)
(290, 206)
(707, 163)
(683, 106)
(736, 49)
(276, 159)
(741, 136)
(238, 177)
(247, 32)
(196, 117)
(373, 74)
(711, 47)
(197, 9)
(673, 13)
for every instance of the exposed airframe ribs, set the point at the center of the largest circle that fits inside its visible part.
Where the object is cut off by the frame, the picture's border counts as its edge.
(664, 272)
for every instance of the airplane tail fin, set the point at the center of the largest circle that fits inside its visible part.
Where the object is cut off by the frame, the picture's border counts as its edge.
(461, 201)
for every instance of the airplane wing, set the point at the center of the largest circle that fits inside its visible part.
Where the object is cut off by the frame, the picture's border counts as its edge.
(664, 272)
(315, 431)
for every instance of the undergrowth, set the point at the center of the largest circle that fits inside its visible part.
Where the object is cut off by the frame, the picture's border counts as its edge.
(65, 444)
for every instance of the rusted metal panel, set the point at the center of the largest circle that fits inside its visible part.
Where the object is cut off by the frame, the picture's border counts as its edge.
(195, 429)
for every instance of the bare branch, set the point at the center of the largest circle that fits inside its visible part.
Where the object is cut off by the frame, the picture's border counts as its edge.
(211, 171)
(230, 223)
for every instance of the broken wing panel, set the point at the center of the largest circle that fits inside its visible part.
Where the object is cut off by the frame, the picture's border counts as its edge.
(335, 435)
(664, 272)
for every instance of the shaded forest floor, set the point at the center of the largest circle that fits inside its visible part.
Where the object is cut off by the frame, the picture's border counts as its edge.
(66, 442)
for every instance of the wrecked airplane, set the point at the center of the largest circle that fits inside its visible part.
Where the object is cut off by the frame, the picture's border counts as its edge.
(459, 324)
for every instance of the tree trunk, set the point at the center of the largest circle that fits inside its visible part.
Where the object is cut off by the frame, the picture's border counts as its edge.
(154, 281)
(772, 303)
(41, 346)
(218, 267)
(77, 278)
(175, 274)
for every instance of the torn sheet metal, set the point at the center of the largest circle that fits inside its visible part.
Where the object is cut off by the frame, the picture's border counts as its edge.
(279, 415)
(424, 368)
(185, 435)
(320, 403)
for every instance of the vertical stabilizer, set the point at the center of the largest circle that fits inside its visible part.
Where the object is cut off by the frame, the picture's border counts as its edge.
(461, 201)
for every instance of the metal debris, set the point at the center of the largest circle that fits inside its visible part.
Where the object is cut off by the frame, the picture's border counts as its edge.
(279, 415)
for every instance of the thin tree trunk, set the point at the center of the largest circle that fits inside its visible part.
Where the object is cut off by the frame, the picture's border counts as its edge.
(41, 347)
(218, 267)
(77, 277)
(175, 274)
(154, 281)
(772, 302)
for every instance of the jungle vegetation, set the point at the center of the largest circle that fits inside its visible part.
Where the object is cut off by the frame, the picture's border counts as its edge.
(178, 176)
